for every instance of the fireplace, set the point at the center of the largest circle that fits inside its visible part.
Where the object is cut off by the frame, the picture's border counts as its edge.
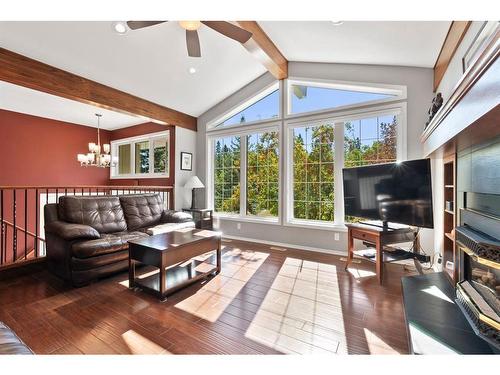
(478, 289)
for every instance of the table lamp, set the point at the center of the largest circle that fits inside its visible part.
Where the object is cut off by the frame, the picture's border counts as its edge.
(193, 183)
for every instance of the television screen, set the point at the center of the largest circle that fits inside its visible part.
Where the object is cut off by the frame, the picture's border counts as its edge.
(394, 192)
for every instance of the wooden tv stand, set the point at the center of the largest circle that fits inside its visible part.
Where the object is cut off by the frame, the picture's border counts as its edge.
(373, 233)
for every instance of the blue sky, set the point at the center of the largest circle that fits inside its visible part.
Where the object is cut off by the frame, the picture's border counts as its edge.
(317, 98)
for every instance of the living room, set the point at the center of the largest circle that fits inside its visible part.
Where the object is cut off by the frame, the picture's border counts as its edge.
(179, 187)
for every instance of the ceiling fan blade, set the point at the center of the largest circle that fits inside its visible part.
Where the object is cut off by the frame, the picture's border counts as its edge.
(229, 30)
(134, 25)
(193, 43)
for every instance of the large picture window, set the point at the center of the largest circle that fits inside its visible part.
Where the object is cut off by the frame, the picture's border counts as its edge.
(324, 127)
(263, 174)
(227, 158)
(313, 172)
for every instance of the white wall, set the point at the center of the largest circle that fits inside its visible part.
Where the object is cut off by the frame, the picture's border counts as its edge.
(419, 92)
(185, 141)
(455, 71)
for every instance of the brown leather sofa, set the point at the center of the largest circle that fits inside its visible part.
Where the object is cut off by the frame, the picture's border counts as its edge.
(87, 236)
(10, 343)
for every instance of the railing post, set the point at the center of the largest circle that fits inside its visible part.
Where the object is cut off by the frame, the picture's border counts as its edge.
(25, 224)
(2, 255)
(37, 214)
(14, 228)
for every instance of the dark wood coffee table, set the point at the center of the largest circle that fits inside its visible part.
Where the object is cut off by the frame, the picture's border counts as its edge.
(173, 250)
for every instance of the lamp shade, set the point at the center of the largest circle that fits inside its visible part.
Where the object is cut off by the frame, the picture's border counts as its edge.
(194, 183)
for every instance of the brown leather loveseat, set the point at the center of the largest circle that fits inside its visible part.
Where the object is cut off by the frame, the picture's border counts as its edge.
(87, 236)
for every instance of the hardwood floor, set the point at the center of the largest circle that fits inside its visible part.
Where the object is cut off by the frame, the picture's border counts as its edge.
(263, 302)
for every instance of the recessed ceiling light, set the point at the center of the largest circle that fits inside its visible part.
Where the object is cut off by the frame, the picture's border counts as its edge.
(337, 23)
(120, 27)
(192, 70)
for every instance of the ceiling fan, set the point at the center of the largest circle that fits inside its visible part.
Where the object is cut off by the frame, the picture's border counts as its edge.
(191, 27)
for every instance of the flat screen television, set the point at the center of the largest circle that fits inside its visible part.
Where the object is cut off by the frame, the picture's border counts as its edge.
(392, 193)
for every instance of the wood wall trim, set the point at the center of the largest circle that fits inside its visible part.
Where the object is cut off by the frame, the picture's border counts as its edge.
(24, 71)
(264, 50)
(453, 39)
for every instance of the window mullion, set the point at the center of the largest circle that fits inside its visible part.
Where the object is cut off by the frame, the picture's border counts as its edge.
(243, 175)
(132, 158)
(151, 156)
(338, 187)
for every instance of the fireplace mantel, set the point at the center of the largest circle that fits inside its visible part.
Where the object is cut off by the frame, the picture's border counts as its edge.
(472, 112)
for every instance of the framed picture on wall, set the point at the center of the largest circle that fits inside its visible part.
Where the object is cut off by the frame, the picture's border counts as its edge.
(186, 161)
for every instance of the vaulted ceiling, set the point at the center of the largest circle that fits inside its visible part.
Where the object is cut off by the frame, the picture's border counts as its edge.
(152, 63)
(405, 43)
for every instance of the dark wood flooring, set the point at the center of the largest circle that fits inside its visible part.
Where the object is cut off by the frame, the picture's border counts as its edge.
(257, 308)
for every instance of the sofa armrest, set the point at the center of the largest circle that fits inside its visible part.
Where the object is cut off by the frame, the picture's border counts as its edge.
(70, 231)
(171, 216)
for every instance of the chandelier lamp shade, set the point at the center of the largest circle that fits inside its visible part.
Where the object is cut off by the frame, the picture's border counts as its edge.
(94, 158)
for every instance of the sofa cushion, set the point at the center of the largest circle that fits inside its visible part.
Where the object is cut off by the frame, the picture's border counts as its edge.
(10, 343)
(142, 210)
(108, 243)
(169, 227)
(70, 231)
(104, 214)
(82, 264)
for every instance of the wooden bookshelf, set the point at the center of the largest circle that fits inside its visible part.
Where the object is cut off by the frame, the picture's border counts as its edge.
(449, 170)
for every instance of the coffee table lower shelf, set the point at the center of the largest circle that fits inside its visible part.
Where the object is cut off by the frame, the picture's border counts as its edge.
(176, 278)
(181, 258)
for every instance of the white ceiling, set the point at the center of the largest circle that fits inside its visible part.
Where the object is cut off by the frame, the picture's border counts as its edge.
(20, 99)
(151, 63)
(405, 43)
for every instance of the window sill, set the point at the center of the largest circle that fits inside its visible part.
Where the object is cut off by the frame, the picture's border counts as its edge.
(138, 177)
(316, 225)
(249, 219)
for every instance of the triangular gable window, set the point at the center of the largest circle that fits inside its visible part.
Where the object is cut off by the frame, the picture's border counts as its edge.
(265, 108)
(312, 98)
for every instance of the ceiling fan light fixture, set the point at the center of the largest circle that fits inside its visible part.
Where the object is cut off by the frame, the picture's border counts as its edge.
(190, 25)
(120, 27)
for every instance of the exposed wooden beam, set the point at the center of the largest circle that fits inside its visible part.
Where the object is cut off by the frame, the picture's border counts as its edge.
(264, 50)
(455, 35)
(23, 71)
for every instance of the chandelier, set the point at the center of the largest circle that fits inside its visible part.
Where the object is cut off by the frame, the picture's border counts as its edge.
(94, 158)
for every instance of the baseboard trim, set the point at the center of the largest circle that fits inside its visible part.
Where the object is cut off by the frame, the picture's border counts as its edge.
(286, 245)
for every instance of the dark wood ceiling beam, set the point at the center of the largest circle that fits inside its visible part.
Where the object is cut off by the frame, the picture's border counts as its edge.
(24, 71)
(453, 39)
(264, 50)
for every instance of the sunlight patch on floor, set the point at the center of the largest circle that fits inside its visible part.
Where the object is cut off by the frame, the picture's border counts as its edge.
(376, 345)
(359, 274)
(213, 298)
(302, 312)
(139, 344)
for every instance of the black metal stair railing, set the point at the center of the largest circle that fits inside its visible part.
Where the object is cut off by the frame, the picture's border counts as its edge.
(22, 237)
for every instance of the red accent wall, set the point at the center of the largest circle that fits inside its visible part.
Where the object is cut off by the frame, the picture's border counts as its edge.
(40, 151)
(141, 129)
